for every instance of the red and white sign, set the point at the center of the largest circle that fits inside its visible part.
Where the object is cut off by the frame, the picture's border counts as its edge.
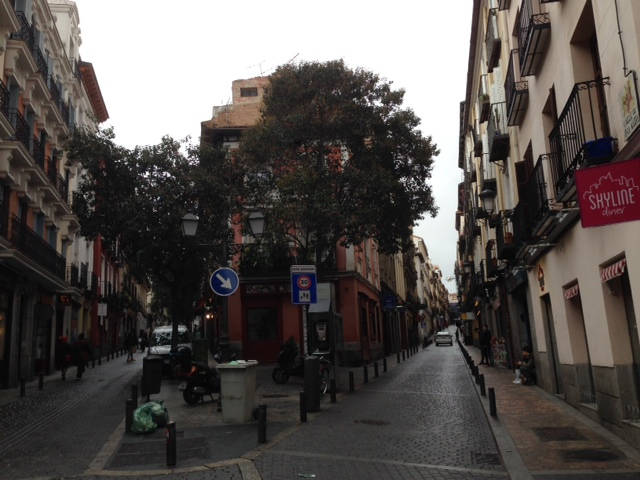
(571, 292)
(609, 193)
(612, 271)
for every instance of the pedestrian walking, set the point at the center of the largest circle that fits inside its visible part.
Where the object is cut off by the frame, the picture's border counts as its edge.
(63, 355)
(131, 343)
(81, 354)
(485, 345)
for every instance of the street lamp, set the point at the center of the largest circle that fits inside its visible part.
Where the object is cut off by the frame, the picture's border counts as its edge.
(189, 225)
(256, 223)
(487, 196)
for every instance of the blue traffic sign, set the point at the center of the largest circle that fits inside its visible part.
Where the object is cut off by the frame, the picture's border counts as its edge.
(224, 281)
(304, 284)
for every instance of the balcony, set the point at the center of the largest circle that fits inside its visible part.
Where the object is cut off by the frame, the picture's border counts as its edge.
(497, 133)
(36, 248)
(534, 195)
(504, 4)
(491, 256)
(516, 92)
(489, 175)
(72, 277)
(4, 99)
(534, 30)
(26, 32)
(84, 276)
(492, 41)
(38, 152)
(580, 137)
(505, 246)
(20, 128)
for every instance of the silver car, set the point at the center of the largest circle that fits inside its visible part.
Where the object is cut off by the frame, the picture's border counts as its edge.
(443, 337)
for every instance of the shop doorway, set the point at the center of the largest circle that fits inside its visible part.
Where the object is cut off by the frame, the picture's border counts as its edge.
(262, 333)
(552, 346)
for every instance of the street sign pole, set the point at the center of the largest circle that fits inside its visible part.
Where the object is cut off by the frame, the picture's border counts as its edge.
(305, 331)
(304, 291)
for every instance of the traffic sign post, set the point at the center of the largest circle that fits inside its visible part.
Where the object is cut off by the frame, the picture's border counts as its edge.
(304, 291)
(224, 281)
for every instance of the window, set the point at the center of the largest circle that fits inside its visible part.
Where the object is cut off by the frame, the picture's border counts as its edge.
(53, 236)
(249, 92)
(40, 224)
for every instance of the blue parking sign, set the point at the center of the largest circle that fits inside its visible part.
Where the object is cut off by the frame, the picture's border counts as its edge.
(304, 284)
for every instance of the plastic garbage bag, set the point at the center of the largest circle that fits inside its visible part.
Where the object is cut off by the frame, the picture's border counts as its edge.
(146, 417)
(159, 414)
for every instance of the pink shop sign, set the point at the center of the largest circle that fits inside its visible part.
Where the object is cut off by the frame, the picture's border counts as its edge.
(609, 193)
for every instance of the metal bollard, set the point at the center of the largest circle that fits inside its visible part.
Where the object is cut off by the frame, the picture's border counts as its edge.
(262, 423)
(482, 388)
(403, 355)
(100, 360)
(40, 381)
(398, 355)
(128, 414)
(384, 365)
(22, 387)
(93, 363)
(478, 378)
(492, 402)
(134, 394)
(375, 369)
(332, 386)
(351, 386)
(303, 408)
(171, 444)
(366, 374)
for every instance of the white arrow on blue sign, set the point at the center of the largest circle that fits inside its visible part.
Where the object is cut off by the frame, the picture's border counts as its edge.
(224, 281)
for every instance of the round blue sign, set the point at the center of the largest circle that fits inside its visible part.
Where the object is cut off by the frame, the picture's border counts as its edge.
(224, 281)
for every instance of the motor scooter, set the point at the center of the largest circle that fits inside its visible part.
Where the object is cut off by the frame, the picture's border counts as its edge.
(290, 364)
(201, 381)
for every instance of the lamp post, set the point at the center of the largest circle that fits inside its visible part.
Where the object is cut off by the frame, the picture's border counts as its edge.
(488, 198)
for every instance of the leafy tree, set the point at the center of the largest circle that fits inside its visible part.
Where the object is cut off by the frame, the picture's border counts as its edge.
(137, 197)
(335, 158)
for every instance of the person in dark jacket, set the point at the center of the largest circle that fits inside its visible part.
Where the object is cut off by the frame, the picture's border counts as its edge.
(485, 345)
(63, 355)
(81, 354)
(131, 344)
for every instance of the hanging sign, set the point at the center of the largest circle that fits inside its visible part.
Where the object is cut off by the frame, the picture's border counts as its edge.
(629, 104)
(609, 193)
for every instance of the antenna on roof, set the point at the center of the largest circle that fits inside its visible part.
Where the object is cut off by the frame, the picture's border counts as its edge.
(293, 58)
(259, 65)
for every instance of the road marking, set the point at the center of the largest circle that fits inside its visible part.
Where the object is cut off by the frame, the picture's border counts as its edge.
(389, 462)
(107, 450)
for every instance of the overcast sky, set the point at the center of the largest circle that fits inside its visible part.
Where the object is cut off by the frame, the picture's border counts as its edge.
(162, 65)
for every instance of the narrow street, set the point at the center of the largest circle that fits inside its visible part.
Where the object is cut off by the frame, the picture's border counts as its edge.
(423, 420)
(66, 424)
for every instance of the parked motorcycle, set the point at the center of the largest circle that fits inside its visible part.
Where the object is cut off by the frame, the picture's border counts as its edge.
(291, 364)
(201, 381)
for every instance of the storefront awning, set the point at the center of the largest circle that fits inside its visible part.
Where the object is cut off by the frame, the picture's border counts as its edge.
(572, 291)
(613, 271)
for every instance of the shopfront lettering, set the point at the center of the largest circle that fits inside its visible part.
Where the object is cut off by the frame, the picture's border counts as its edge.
(609, 193)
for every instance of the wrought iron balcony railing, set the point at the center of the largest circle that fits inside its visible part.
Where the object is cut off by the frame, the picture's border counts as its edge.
(20, 128)
(505, 245)
(4, 99)
(534, 31)
(516, 92)
(535, 195)
(37, 248)
(25, 33)
(492, 40)
(84, 275)
(581, 135)
(497, 132)
(38, 152)
(72, 277)
(491, 256)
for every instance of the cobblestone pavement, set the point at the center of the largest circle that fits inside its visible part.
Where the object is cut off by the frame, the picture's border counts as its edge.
(422, 420)
(65, 424)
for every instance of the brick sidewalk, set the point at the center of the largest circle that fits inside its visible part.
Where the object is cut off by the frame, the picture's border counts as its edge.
(549, 434)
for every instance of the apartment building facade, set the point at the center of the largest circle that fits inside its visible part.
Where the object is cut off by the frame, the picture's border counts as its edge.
(49, 274)
(547, 205)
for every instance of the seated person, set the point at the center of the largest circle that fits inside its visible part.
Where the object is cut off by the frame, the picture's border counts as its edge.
(526, 369)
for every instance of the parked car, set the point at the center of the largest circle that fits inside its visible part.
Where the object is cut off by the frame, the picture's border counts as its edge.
(444, 337)
(160, 345)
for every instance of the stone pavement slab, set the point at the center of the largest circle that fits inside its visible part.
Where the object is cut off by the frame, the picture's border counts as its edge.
(552, 438)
